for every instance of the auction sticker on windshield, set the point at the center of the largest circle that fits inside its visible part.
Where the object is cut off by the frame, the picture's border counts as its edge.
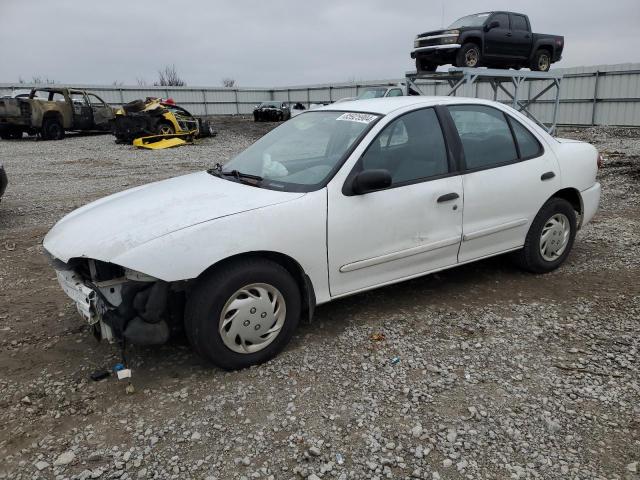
(357, 117)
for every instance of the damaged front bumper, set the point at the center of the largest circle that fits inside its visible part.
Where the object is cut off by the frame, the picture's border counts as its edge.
(128, 306)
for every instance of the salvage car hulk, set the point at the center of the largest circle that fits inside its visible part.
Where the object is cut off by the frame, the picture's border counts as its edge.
(490, 39)
(51, 111)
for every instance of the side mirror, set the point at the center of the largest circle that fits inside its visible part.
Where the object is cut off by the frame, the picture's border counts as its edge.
(371, 180)
(492, 25)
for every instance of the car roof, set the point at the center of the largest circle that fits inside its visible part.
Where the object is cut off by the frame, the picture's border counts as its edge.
(384, 106)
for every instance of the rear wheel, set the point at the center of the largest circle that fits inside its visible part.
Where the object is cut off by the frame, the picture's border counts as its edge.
(52, 129)
(243, 313)
(550, 237)
(469, 56)
(541, 61)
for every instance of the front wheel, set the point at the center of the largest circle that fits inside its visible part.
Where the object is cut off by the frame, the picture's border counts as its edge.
(550, 237)
(243, 313)
(469, 56)
(165, 128)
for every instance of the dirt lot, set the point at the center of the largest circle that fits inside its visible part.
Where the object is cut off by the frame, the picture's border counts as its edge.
(501, 374)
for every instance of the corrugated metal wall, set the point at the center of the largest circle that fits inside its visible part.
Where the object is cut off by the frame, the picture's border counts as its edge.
(597, 95)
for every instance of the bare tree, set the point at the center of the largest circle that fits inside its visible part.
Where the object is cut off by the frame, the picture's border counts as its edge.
(21, 80)
(228, 82)
(141, 82)
(116, 83)
(168, 77)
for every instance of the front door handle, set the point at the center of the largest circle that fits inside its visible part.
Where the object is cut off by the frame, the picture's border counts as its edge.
(448, 197)
(508, 34)
(547, 176)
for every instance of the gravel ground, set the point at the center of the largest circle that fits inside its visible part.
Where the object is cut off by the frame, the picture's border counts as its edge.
(478, 372)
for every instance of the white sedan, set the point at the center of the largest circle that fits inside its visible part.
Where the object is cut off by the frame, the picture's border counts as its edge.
(335, 201)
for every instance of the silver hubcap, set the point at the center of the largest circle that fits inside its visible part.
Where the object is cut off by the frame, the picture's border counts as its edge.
(555, 237)
(252, 318)
(471, 58)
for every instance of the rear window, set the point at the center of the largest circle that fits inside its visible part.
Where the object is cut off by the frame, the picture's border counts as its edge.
(528, 144)
(519, 23)
(485, 135)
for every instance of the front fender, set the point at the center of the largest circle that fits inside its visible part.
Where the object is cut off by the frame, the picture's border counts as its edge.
(296, 229)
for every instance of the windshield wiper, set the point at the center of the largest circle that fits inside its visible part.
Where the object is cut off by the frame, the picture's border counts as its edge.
(215, 170)
(240, 175)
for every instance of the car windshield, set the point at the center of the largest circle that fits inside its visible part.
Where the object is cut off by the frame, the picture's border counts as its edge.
(470, 20)
(372, 93)
(302, 153)
(270, 104)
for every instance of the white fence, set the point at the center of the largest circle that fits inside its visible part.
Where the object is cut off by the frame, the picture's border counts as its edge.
(598, 95)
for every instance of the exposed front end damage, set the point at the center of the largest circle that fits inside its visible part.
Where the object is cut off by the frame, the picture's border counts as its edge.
(121, 304)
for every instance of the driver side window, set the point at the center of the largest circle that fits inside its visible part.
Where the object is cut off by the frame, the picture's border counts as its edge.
(411, 148)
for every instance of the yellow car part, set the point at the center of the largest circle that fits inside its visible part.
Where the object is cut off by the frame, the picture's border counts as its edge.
(159, 142)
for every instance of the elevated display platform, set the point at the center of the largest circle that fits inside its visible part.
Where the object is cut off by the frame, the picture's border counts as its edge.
(511, 82)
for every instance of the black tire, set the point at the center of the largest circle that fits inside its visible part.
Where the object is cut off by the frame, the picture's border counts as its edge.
(15, 134)
(530, 258)
(424, 66)
(165, 128)
(135, 106)
(541, 61)
(469, 56)
(52, 129)
(206, 303)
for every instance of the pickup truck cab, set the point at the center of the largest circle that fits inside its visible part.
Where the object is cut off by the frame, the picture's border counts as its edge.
(491, 39)
(52, 111)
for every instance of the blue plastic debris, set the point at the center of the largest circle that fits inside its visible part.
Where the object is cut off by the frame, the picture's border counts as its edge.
(117, 367)
(395, 360)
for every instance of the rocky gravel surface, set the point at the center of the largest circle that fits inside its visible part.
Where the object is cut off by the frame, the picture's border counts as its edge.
(478, 372)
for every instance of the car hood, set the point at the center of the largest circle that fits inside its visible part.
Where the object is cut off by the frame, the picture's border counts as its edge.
(432, 32)
(109, 227)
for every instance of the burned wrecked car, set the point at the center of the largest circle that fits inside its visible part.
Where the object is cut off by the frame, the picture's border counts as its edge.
(50, 112)
(155, 116)
(271, 112)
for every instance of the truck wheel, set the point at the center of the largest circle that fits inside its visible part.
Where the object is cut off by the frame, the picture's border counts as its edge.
(469, 56)
(541, 61)
(243, 313)
(424, 66)
(550, 237)
(52, 129)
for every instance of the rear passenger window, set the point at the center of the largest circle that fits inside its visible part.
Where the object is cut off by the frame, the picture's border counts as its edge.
(518, 22)
(411, 148)
(528, 144)
(485, 134)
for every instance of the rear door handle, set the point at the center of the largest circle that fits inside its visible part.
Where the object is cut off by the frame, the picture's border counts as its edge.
(547, 176)
(508, 34)
(448, 197)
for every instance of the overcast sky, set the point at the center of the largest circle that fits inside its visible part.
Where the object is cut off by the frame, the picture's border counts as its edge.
(274, 42)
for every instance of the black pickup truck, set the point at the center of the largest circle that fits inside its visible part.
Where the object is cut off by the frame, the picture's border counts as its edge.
(490, 39)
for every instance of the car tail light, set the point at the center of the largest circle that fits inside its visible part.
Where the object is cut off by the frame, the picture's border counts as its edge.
(600, 160)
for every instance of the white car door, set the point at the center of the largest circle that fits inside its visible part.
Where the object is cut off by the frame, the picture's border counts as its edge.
(409, 228)
(508, 177)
